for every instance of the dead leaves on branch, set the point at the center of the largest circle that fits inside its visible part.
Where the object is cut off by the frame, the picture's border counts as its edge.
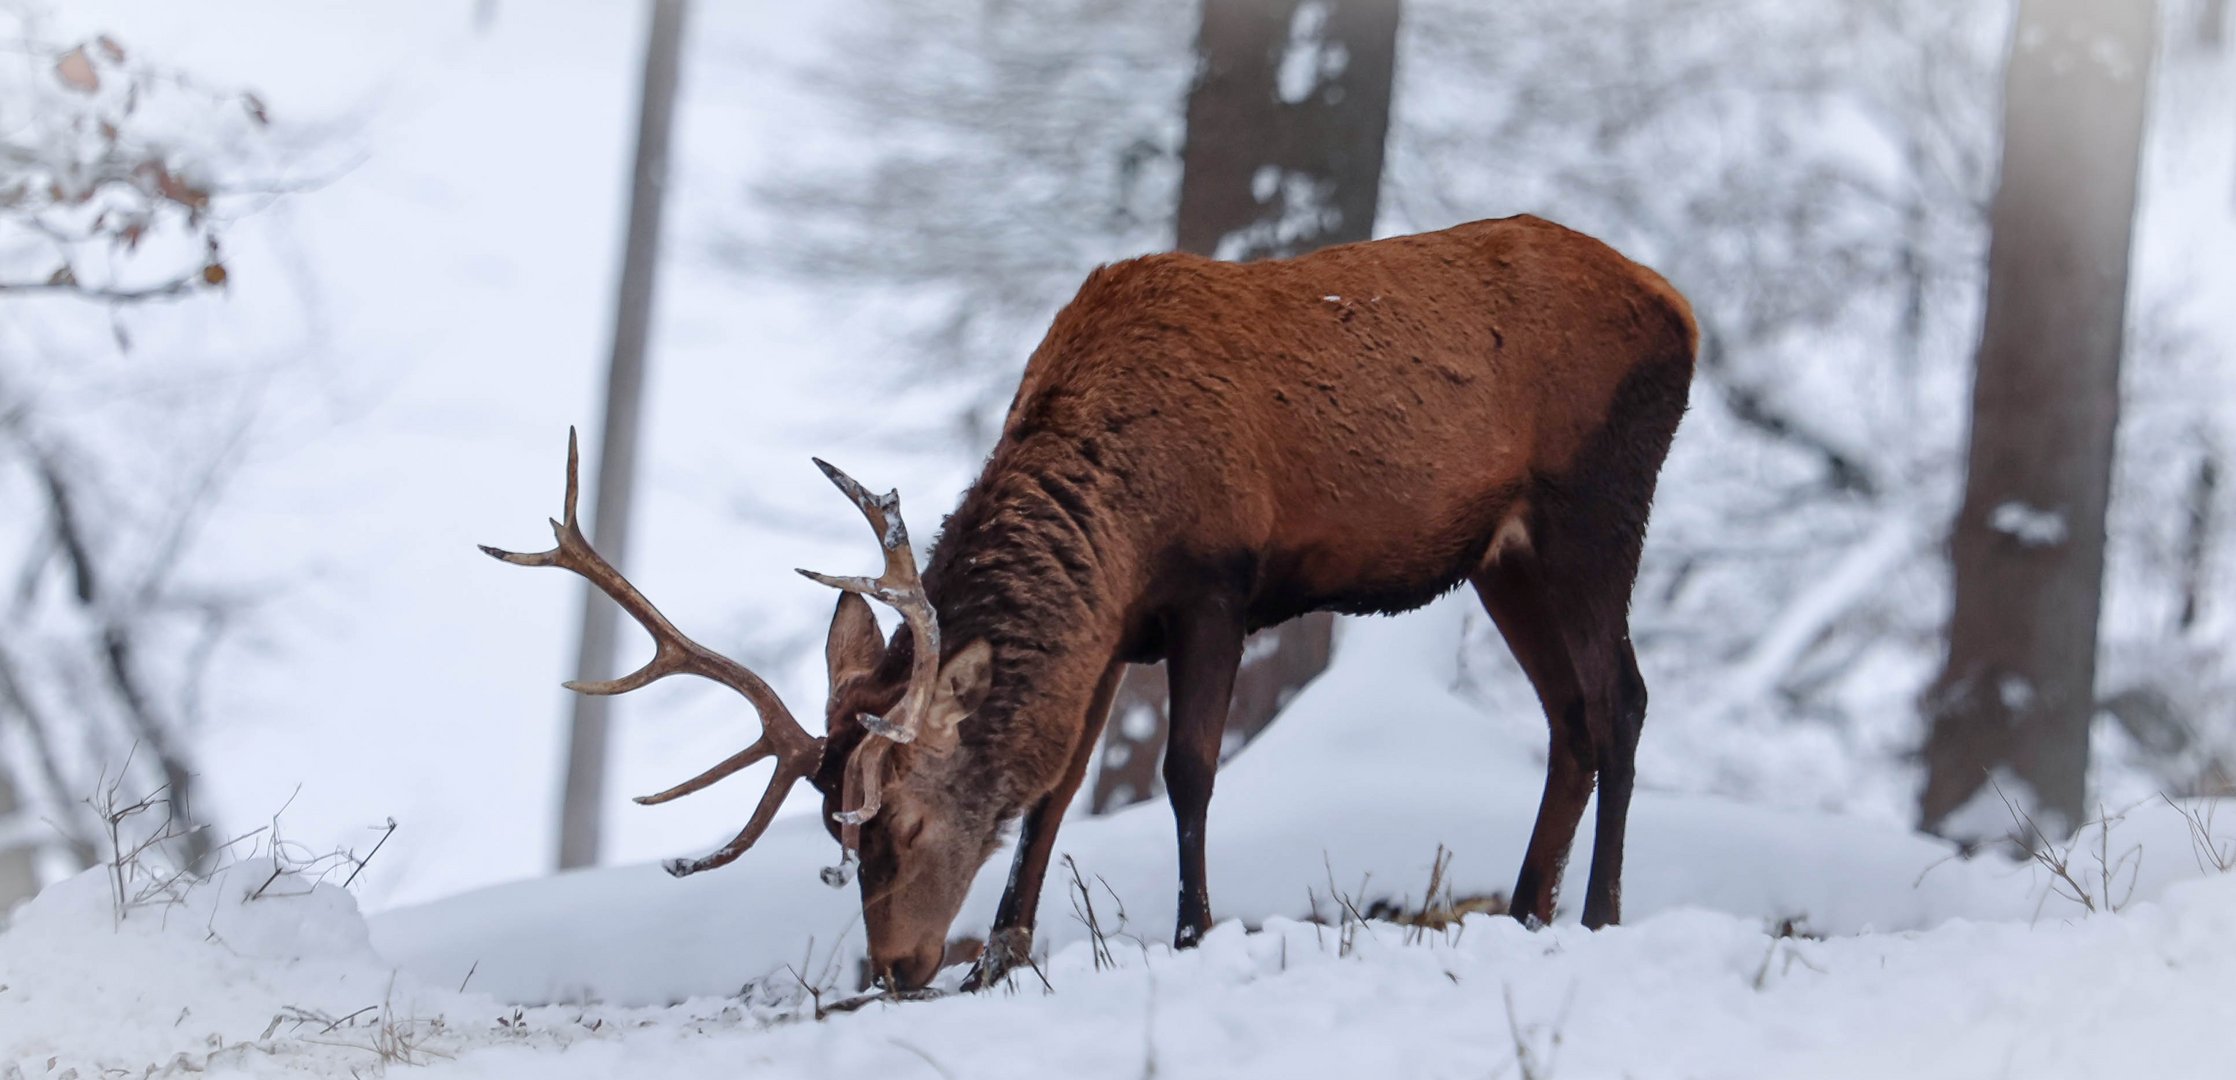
(75, 70)
(114, 160)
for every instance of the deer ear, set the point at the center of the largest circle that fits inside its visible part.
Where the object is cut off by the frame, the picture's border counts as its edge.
(963, 682)
(854, 647)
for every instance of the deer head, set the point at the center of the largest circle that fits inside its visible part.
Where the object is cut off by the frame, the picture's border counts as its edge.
(892, 774)
(897, 790)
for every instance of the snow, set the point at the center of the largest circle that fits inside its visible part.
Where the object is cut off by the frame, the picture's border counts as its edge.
(1309, 59)
(285, 987)
(240, 958)
(2029, 525)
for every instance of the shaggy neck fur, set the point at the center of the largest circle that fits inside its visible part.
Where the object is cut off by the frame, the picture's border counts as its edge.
(1025, 563)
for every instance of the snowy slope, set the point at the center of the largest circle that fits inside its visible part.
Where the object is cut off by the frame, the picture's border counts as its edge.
(1376, 765)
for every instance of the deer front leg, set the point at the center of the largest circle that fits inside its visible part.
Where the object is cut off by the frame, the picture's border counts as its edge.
(1010, 944)
(1206, 650)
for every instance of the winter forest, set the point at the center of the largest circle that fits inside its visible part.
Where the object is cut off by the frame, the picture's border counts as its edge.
(1935, 613)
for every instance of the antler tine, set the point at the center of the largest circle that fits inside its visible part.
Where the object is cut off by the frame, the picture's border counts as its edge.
(798, 754)
(899, 587)
(861, 796)
(786, 776)
(743, 759)
(561, 529)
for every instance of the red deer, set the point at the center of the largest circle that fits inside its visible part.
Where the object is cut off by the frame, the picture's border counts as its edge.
(1199, 449)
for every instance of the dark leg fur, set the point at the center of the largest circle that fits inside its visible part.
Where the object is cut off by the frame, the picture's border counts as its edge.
(1206, 649)
(1513, 592)
(1603, 898)
(1010, 944)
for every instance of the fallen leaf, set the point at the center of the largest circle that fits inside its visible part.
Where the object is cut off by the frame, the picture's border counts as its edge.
(110, 48)
(75, 69)
(255, 106)
(64, 276)
(214, 274)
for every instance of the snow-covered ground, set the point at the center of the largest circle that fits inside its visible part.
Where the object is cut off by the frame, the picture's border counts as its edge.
(284, 986)
(231, 983)
(1929, 965)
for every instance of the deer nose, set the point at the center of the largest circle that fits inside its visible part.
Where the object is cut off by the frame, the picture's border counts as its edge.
(911, 971)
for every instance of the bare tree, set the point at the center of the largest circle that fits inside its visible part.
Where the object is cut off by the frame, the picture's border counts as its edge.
(1286, 125)
(582, 800)
(2012, 707)
(117, 182)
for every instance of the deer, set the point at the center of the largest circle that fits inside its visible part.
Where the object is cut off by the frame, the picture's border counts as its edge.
(1196, 450)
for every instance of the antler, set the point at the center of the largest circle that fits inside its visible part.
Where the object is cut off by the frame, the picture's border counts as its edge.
(796, 752)
(900, 588)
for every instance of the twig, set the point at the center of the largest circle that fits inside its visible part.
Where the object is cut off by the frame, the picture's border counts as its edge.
(172, 289)
(1083, 909)
(368, 859)
(2211, 853)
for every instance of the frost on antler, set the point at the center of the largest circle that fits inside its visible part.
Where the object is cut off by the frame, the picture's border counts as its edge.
(901, 588)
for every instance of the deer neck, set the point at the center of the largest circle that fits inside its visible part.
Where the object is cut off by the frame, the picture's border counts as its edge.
(1029, 564)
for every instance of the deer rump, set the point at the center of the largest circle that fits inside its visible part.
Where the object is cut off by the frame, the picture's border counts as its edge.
(1198, 449)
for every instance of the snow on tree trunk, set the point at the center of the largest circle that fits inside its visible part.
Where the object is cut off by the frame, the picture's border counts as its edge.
(1286, 123)
(2018, 691)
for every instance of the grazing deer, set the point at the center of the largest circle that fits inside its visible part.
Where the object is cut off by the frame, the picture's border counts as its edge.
(1199, 449)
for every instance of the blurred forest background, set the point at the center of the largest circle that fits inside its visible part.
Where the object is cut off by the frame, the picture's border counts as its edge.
(295, 306)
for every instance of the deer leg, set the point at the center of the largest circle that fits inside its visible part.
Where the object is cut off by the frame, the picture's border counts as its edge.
(1625, 697)
(1010, 944)
(1512, 593)
(1206, 648)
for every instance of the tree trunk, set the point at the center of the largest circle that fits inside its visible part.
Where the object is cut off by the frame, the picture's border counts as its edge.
(582, 804)
(19, 871)
(2011, 709)
(1284, 154)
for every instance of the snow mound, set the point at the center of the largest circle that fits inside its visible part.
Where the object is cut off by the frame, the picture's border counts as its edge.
(239, 964)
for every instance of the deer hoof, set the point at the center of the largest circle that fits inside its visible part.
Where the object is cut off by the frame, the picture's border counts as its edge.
(1005, 952)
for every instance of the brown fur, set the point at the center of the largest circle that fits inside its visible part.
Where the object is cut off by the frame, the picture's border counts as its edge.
(1202, 448)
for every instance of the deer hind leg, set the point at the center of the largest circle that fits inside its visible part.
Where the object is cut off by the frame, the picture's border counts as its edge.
(1589, 559)
(1206, 648)
(1512, 590)
(1622, 696)
(1010, 944)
